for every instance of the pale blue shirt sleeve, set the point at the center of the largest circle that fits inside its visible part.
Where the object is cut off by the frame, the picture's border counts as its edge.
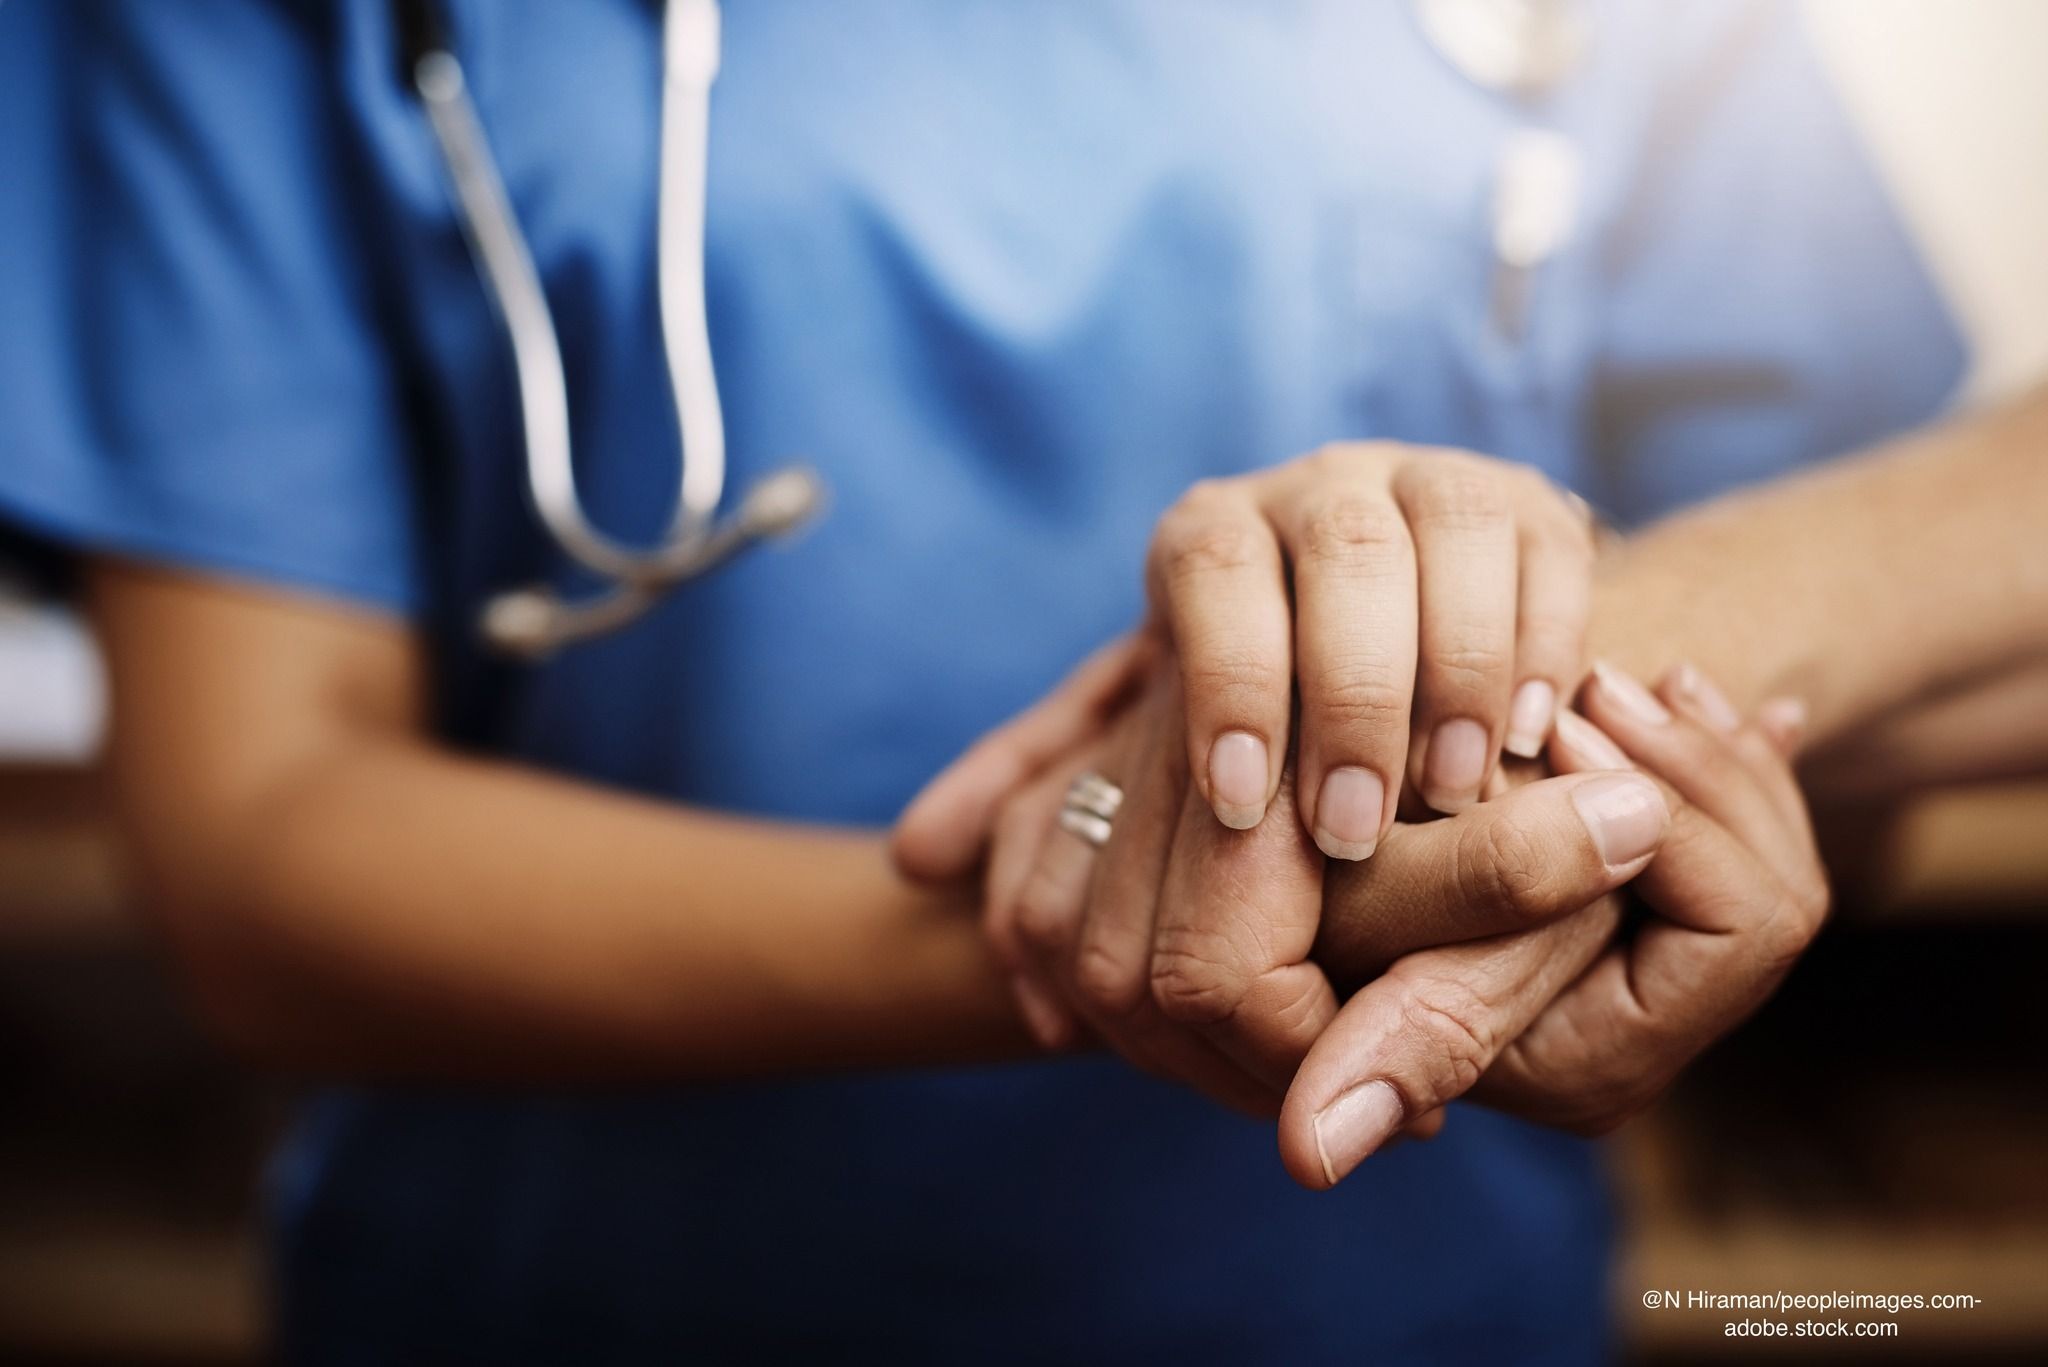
(192, 368)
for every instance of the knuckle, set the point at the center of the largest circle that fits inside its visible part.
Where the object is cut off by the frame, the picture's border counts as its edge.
(1814, 902)
(1357, 698)
(1795, 922)
(1468, 664)
(1237, 679)
(1106, 982)
(1460, 495)
(1045, 913)
(1456, 1019)
(1504, 866)
(1194, 980)
(1194, 543)
(1339, 459)
(1354, 530)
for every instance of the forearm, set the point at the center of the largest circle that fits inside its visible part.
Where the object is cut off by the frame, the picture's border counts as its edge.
(1993, 730)
(348, 896)
(402, 911)
(1860, 587)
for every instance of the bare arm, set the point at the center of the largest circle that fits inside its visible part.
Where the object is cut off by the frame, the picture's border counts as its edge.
(348, 896)
(1868, 585)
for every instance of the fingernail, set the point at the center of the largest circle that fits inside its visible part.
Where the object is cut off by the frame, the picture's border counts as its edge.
(1529, 718)
(1456, 765)
(1711, 701)
(1348, 812)
(1352, 1126)
(1237, 779)
(1630, 696)
(1625, 815)
(1588, 744)
(1784, 719)
(1043, 1016)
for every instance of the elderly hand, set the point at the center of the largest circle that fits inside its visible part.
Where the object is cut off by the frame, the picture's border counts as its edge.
(1567, 1025)
(1388, 580)
(1186, 945)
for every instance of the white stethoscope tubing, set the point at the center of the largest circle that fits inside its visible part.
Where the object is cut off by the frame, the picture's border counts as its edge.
(537, 621)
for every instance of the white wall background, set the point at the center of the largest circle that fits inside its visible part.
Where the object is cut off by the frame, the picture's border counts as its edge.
(1952, 96)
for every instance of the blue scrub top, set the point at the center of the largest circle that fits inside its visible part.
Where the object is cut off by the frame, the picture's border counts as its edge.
(1011, 276)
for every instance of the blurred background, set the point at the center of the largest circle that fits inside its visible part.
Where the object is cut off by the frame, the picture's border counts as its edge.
(1882, 1126)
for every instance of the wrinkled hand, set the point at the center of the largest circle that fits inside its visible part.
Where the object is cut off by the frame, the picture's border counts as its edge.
(1191, 948)
(1566, 1024)
(1400, 588)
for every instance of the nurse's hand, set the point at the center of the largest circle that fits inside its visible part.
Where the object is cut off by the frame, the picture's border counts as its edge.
(1567, 1025)
(1406, 591)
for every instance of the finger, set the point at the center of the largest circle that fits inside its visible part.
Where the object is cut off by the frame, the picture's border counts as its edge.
(1686, 689)
(1769, 757)
(1784, 721)
(1614, 1039)
(1689, 692)
(1104, 974)
(1465, 555)
(1355, 627)
(1419, 1037)
(1216, 577)
(1700, 764)
(1033, 873)
(944, 830)
(1555, 599)
(1237, 917)
(1527, 857)
(1113, 954)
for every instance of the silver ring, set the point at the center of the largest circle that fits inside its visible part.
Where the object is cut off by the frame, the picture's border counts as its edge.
(1091, 805)
(1087, 825)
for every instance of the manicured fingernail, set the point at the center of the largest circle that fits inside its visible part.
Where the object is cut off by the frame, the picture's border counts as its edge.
(1237, 779)
(1630, 696)
(1588, 744)
(1043, 1016)
(1352, 1126)
(1711, 701)
(1456, 765)
(1784, 719)
(1348, 811)
(1625, 815)
(1529, 718)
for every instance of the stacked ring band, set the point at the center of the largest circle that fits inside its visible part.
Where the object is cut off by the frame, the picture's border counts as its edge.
(1091, 805)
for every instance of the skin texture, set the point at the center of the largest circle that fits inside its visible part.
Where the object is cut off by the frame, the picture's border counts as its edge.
(1798, 585)
(348, 897)
(1734, 895)
(1406, 598)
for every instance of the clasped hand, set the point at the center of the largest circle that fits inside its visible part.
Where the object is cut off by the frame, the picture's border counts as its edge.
(1260, 925)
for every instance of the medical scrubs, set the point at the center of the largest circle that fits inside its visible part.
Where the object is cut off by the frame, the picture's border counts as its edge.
(1011, 276)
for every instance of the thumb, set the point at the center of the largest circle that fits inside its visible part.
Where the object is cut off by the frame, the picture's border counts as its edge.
(1519, 860)
(1422, 1035)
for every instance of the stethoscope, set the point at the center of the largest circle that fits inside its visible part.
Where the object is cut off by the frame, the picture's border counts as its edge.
(536, 621)
(1521, 48)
